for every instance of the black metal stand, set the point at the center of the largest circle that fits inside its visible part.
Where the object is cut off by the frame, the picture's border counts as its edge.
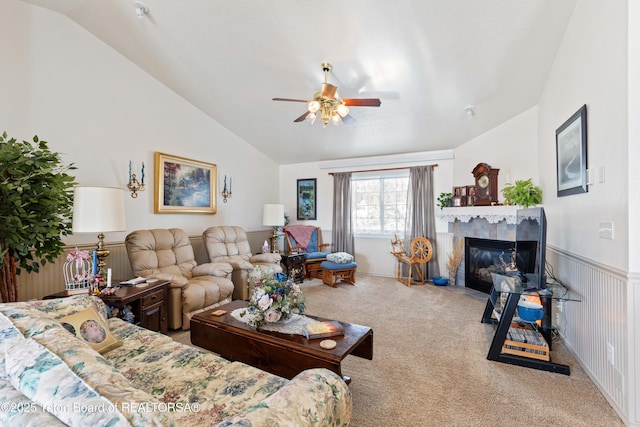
(495, 351)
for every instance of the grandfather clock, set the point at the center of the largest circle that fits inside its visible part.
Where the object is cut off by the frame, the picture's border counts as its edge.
(486, 184)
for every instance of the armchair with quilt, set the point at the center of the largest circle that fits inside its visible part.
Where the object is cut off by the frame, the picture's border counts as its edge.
(167, 254)
(307, 240)
(230, 244)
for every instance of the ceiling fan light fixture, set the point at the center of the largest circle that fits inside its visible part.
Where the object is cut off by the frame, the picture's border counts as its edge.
(328, 105)
(343, 110)
(311, 118)
(314, 106)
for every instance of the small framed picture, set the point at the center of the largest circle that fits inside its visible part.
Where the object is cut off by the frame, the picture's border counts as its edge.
(571, 154)
(458, 201)
(306, 199)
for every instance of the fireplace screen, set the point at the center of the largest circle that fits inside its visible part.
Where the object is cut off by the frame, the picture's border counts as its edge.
(483, 256)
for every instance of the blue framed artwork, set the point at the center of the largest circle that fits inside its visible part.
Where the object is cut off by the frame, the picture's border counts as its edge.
(306, 199)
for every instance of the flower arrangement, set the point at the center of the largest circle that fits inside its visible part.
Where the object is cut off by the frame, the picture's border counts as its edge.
(274, 297)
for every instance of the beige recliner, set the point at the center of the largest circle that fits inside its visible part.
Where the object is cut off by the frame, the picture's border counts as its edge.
(168, 255)
(230, 244)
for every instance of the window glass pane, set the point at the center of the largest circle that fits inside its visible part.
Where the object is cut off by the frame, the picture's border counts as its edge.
(379, 203)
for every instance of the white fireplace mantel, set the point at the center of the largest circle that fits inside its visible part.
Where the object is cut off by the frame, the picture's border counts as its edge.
(493, 214)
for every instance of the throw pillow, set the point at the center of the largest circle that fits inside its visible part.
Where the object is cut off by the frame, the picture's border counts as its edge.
(46, 380)
(340, 257)
(89, 327)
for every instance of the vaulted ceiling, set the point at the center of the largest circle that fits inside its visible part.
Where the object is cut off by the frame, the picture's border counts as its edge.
(427, 60)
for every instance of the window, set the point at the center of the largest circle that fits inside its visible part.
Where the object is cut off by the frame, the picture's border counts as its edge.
(379, 202)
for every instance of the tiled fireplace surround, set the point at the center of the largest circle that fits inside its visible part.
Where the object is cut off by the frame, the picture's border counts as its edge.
(482, 222)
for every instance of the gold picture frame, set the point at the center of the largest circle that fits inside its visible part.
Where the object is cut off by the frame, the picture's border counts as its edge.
(184, 186)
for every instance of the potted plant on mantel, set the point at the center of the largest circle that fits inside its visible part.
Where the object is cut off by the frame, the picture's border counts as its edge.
(522, 193)
(36, 202)
(444, 200)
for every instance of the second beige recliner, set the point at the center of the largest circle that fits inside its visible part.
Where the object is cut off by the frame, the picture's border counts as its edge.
(230, 244)
(168, 255)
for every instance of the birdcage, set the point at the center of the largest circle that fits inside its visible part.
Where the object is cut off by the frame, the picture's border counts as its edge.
(78, 272)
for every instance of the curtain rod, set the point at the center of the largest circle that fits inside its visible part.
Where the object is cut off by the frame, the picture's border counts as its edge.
(385, 169)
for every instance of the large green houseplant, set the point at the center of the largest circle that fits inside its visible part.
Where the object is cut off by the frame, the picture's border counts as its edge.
(36, 202)
(522, 193)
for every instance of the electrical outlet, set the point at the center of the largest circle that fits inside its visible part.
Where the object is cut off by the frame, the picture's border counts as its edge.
(610, 354)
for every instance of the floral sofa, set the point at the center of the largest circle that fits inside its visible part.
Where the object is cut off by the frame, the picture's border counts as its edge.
(51, 376)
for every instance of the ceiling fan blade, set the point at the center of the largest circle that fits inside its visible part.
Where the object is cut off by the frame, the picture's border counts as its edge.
(348, 119)
(329, 90)
(362, 102)
(302, 117)
(289, 99)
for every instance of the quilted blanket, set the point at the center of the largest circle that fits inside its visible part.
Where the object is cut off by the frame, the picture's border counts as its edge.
(50, 377)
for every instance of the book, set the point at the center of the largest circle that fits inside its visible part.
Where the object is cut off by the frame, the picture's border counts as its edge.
(322, 329)
(135, 281)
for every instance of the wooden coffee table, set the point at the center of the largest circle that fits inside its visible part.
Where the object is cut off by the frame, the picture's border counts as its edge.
(285, 355)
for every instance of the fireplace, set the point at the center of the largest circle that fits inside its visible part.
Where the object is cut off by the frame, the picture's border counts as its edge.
(481, 256)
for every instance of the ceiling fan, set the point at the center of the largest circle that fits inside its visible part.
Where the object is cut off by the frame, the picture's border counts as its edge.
(329, 105)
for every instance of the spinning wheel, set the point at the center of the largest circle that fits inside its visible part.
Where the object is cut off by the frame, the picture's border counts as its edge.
(421, 253)
(421, 250)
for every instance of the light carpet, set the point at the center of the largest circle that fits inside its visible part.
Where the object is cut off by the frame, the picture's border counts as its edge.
(430, 369)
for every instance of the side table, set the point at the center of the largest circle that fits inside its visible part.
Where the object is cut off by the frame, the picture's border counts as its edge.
(148, 304)
(295, 267)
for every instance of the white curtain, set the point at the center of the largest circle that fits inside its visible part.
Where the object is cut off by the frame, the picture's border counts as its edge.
(342, 235)
(420, 214)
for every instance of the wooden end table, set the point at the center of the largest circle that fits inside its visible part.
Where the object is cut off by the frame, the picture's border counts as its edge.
(148, 303)
(285, 355)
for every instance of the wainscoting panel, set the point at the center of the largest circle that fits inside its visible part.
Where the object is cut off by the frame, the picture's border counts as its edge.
(50, 278)
(444, 246)
(597, 324)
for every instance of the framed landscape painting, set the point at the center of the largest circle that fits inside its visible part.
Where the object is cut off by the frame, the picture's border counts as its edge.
(184, 185)
(306, 199)
(571, 154)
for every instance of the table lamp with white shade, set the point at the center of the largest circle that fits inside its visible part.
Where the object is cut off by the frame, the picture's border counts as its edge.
(98, 210)
(273, 215)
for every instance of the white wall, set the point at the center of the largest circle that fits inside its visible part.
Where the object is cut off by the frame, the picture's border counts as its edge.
(633, 292)
(511, 147)
(590, 68)
(633, 146)
(60, 82)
